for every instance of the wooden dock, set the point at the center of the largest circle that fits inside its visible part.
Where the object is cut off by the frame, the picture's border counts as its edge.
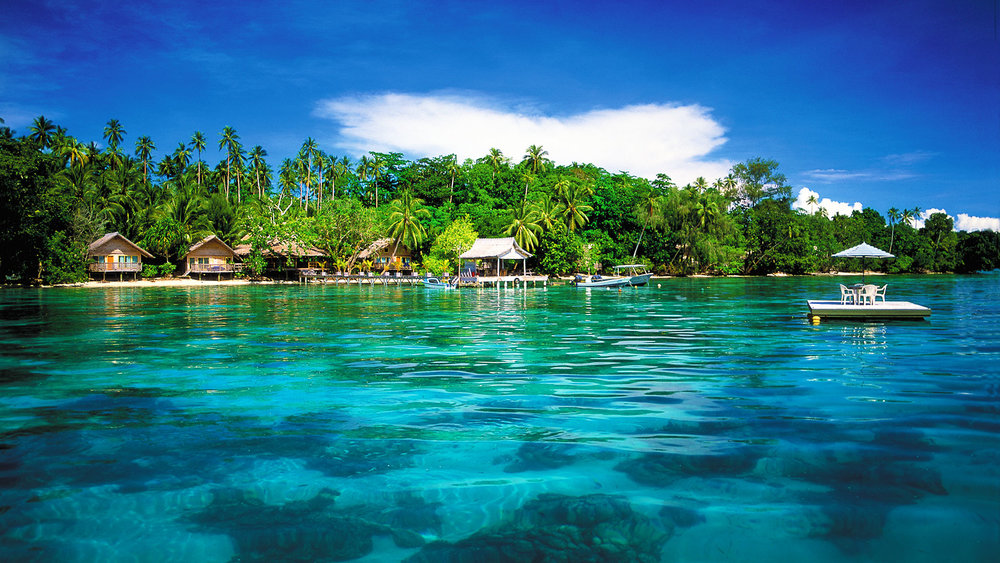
(306, 276)
(519, 281)
(504, 281)
(886, 310)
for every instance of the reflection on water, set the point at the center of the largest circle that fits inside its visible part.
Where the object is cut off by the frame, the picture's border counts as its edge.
(702, 420)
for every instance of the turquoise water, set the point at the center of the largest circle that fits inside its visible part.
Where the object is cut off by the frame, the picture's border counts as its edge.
(693, 420)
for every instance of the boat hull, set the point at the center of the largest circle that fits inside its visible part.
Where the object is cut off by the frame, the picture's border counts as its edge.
(434, 283)
(623, 281)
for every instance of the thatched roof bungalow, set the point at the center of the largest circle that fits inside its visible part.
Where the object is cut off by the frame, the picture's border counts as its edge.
(279, 254)
(387, 256)
(497, 249)
(115, 253)
(210, 256)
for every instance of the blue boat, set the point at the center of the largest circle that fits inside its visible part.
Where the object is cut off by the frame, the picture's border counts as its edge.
(435, 283)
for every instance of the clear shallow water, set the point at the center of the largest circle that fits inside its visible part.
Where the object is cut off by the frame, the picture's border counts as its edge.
(702, 420)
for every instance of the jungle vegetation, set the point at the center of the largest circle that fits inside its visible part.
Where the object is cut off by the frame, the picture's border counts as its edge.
(58, 194)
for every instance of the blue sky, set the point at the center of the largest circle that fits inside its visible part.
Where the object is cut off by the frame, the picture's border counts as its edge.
(878, 103)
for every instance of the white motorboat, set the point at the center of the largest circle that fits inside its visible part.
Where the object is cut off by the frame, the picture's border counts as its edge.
(435, 283)
(625, 275)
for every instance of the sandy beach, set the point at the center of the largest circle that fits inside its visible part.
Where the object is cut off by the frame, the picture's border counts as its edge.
(166, 282)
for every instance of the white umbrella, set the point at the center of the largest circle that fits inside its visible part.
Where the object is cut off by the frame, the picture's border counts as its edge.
(863, 250)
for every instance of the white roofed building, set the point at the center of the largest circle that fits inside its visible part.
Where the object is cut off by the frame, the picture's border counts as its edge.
(497, 249)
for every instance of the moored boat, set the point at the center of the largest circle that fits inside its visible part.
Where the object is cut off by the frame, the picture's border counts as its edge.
(435, 283)
(625, 275)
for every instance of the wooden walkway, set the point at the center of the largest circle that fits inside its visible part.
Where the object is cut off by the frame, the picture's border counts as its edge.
(307, 276)
(878, 311)
(504, 281)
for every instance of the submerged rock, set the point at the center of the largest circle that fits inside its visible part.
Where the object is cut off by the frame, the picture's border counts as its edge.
(346, 458)
(533, 456)
(660, 469)
(310, 530)
(559, 528)
(680, 516)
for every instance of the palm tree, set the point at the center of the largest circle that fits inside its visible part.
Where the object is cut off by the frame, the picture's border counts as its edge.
(182, 155)
(378, 166)
(257, 155)
(706, 212)
(894, 216)
(527, 176)
(334, 171)
(309, 147)
(286, 179)
(651, 202)
(230, 140)
(700, 183)
(574, 209)
(144, 148)
(729, 185)
(114, 133)
(364, 165)
(321, 182)
(198, 144)
(405, 223)
(41, 131)
(813, 201)
(549, 211)
(525, 227)
(75, 152)
(535, 159)
(452, 171)
(342, 169)
(239, 156)
(496, 160)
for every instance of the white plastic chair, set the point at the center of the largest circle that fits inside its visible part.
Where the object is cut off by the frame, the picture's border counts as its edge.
(847, 295)
(867, 294)
(880, 292)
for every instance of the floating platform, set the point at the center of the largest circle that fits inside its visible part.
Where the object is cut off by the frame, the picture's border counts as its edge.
(878, 311)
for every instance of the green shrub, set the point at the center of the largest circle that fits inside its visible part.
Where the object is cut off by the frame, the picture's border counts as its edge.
(65, 261)
(436, 265)
(166, 268)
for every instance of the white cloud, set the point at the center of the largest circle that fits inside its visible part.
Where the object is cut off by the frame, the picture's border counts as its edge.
(919, 221)
(971, 223)
(834, 175)
(964, 221)
(643, 139)
(907, 159)
(832, 207)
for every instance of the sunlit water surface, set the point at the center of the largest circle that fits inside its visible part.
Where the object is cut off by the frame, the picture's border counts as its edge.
(692, 420)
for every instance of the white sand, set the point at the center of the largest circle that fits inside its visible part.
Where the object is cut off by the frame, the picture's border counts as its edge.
(165, 282)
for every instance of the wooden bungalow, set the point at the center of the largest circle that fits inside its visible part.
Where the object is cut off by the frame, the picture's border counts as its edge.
(386, 256)
(286, 257)
(492, 251)
(210, 256)
(115, 253)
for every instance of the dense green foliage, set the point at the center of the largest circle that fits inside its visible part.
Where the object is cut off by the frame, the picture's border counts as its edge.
(57, 195)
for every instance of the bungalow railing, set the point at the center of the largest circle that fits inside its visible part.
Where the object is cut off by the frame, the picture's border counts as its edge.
(115, 267)
(215, 268)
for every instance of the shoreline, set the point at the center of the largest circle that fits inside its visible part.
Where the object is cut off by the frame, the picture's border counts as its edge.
(187, 282)
(164, 282)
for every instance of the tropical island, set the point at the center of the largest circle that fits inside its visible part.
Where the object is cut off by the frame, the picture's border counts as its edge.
(59, 194)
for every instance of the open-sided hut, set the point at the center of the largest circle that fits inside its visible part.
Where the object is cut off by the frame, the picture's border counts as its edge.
(493, 250)
(285, 256)
(210, 256)
(115, 253)
(387, 256)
